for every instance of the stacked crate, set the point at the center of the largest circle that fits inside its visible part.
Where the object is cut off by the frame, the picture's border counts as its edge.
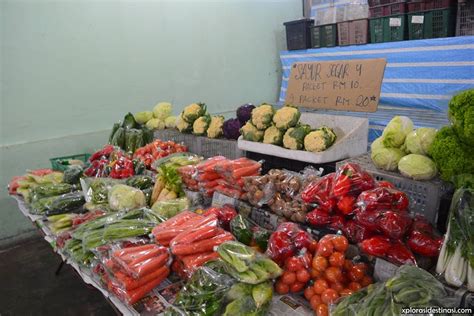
(388, 20)
(431, 18)
(465, 18)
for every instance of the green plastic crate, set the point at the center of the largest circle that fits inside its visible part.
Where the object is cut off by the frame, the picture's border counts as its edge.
(431, 24)
(59, 164)
(388, 28)
(323, 35)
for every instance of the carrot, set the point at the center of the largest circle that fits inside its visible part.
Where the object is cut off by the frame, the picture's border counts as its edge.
(172, 232)
(246, 171)
(177, 220)
(135, 295)
(196, 234)
(149, 265)
(208, 176)
(205, 245)
(129, 283)
(209, 184)
(129, 250)
(209, 162)
(193, 261)
(150, 254)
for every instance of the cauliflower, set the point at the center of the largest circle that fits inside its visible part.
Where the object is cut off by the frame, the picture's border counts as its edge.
(170, 122)
(201, 125)
(262, 116)
(215, 127)
(286, 117)
(294, 136)
(461, 114)
(155, 123)
(251, 133)
(319, 140)
(273, 135)
(182, 125)
(143, 117)
(193, 111)
(162, 110)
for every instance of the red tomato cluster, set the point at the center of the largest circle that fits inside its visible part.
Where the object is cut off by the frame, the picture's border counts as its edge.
(156, 150)
(296, 272)
(333, 275)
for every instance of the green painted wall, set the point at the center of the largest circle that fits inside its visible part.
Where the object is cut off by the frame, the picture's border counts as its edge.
(69, 68)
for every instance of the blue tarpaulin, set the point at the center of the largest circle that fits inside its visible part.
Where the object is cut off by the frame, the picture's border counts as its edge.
(420, 78)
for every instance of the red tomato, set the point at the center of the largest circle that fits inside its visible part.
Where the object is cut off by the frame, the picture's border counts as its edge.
(348, 265)
(303, 276)
(337, 286)
(325, 248)
(320, 286)
(313, 246)
(315, 273)
(309, 292)
(366, 280)
(337, 259)
(346, 292)
(282, 288)
(333, 274)
(356, 273)
(294, 264)
(288, 277)
(322, 310)
(314, 301)
(296, 287)
(340, 243)
(363, 266)
(320, 263)
(354, 286)
(329, 296)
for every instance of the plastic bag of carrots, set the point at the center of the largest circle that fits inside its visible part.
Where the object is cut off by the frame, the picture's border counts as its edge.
(133, 270)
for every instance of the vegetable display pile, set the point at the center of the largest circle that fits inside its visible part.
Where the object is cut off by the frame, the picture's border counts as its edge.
(373, 214)
(282, 128)
(156, 150)
(405, 149)
(159, 118)
(280, 191)
(130, 135)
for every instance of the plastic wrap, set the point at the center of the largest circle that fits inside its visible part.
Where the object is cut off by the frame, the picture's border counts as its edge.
(123, 198)
(382, 247)
(59, 204)
(50, 189)
(246, 265)
(286, 241)
(351, 180)
(170, 208)
(96, 190)
(382, 198)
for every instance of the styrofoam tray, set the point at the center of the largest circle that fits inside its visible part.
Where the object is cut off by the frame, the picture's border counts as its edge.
(352, 134)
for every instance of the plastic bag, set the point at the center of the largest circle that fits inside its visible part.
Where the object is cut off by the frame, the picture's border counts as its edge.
(50, 189)
(96, 190)
(225, 215)
(382, 198)
(351, 180)
(382, 247)
(170, 208)
(202, 294)
(286, 241)
(203, 239)
(123, 197)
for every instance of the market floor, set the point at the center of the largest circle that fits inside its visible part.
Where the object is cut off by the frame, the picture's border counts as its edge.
(30, 287)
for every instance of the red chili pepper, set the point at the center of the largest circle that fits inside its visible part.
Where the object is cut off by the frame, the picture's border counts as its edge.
(356, 232)
(376, 246)
(319, 190)
(367, 219)
(342, 185)
(421, 224)
(400, 254)
(280, 247)
(328, 205)
(337, 222)
(393, 224)
(385, 184)
(400, 201)
(346, 204)
(424, 244)
(289, 228)
(302, 239)
(318, 218)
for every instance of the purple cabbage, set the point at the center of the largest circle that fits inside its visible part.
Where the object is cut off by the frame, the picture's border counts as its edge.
(231, 128)
(244, 112)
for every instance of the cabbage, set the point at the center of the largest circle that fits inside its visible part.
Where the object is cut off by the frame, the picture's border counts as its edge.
(170, 122)
(417, 167)
(155, 124)
(419, 141)
(123, 197)
(376, 144)
(162, 110)
(143, 117)
(387, 158)
(396, 131)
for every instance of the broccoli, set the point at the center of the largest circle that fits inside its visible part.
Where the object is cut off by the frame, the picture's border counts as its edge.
(182, 125)
(251, 133)
(215, 127)
(286, 117)
(319, 140)
(450, 155)
(461, 114)
(262, 116)
(273, 135)
(294, 136)
(193, 111)
(201, 125)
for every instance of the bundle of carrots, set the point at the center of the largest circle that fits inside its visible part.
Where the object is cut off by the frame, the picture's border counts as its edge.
(187, 174)
(224, 175)
(136, 270)
(192, 239)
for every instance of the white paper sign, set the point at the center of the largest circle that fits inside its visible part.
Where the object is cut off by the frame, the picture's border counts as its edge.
(394, 22)
(417, 19)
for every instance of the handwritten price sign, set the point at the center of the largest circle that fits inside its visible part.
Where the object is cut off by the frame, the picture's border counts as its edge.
(346, 85)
